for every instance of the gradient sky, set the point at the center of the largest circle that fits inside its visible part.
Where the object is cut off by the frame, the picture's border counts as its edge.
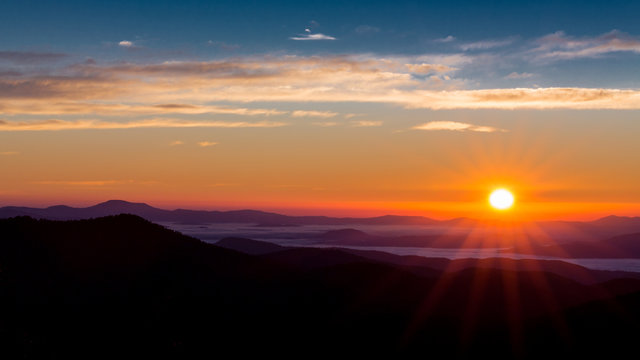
(309, 107)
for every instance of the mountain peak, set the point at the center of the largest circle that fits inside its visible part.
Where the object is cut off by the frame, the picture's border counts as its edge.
(120, 203)
(615, 219)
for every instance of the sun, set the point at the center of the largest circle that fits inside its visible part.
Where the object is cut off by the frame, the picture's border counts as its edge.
(501, 199)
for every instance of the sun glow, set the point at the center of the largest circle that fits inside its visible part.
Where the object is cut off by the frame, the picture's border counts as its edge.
(501, 199)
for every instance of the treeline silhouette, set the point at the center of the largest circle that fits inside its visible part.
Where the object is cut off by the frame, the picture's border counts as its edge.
(120, 286)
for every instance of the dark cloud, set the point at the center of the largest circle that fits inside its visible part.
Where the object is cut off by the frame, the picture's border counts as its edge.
(7, 73)
(28, 57)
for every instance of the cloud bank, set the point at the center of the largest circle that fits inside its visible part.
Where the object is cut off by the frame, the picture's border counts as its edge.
(228, 86)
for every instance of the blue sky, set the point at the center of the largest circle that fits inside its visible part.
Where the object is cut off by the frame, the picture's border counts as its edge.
(205, 30)
(267, 25)
(284, 85)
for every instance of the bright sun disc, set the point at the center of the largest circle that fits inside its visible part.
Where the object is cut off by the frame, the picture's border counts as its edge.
(501, 199)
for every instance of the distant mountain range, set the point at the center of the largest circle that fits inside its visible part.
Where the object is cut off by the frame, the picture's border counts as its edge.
(305, 257)
(621, 224)
(611, 236)
(115, 207)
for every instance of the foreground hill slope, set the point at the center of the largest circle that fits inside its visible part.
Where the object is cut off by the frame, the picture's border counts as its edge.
(121, 286)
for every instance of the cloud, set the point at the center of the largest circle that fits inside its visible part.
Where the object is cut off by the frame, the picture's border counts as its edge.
(559, 46)
(29, 57)
(326, 123)
(52, 125)
(126, 43)
(366, 123)
(429, 68)
(7, 153)
(190, 88)
(486, 44)
(175, 143)
(527, 98)
(309, 36)
(455, 126)
(523, 75)
(207, 143)
(446, 39)
(103, 108)
(320, 114)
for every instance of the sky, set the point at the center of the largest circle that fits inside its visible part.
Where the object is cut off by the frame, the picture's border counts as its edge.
(353, 108)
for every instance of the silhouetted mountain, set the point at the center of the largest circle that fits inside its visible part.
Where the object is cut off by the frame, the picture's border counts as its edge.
(629, 243)
(317, 257)
(353, 237)
(115, 207)
(121, 286)
(595, 230)
(618, 247)
(571, 271)
(248, 246)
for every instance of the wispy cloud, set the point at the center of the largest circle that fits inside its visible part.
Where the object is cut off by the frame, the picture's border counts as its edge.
(446, 39)
(207, 143)
(7, 153)
(366, 123)
(486, 44)
(51, 125)
(30, 57)
(326, 123)
(65, 107)
(311, 113)
(527, 98)
(560, 46)
(455, 126)
(516, 75)
(176, 142)
(429, 68)
(126, 43)
(309, 36)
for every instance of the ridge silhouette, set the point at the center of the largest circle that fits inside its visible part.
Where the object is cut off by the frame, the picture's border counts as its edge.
(123, 286)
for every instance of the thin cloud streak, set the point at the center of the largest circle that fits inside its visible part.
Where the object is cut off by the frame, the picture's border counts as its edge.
(429, 68)
(52, 125)
(455, 126)
(366, 123)
(486, 44)
(326, 123)
(126, 43)
(560, 46)
(43, 107)
(515, 75)
(311, 113)
(313, 37)
(30, 57)
(446, 39)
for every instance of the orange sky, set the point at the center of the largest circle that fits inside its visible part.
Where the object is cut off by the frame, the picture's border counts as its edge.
(558, 163)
